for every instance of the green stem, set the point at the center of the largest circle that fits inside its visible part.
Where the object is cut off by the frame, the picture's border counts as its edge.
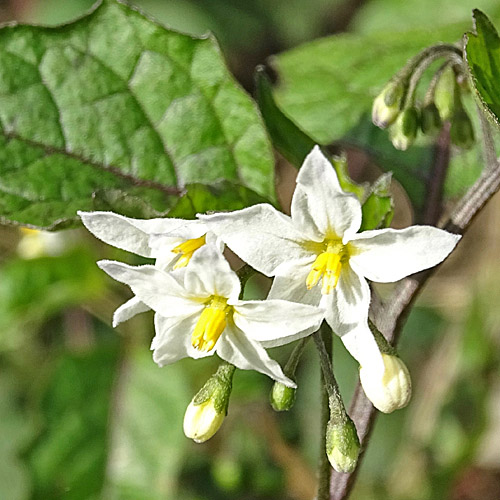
(417, 68)
(323, 340)
(293, 360)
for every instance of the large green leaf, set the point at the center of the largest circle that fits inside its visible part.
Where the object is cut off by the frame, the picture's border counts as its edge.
(116, 102)
(482, 52)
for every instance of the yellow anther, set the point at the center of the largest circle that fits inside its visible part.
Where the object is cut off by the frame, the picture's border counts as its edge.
(318, 268)
(186, 249)
(327, 266)
(210, 325)
(332, 273)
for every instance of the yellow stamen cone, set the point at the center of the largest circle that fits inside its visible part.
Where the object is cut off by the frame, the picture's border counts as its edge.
(210, 325)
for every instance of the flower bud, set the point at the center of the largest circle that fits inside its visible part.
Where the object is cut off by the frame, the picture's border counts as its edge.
(391, 390)
(404, 130)
(342, 444)
(282, 397)
(206, 412)
(430, 121)
(461, 131)
(387, 104)
(446, 94)
(202, 421)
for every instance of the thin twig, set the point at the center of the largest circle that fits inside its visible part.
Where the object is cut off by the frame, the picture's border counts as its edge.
(437, 176)
(391, 318)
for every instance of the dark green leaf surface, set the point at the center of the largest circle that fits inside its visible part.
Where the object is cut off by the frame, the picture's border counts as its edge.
(482, 51)
(115, 102)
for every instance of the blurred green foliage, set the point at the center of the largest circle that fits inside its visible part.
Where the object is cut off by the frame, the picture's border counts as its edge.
(86, 414)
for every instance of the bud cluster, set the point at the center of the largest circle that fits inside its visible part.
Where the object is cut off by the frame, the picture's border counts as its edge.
(396, 106)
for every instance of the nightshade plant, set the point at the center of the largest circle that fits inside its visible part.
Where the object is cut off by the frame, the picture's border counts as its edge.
(144, 134)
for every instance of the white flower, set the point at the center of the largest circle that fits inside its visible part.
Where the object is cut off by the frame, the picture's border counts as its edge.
(172, 242)
(199, 313)
(320, 243)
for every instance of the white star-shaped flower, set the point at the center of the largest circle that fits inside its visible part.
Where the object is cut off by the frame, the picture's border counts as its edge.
(199, 313)
(172, 242)
(318, 257)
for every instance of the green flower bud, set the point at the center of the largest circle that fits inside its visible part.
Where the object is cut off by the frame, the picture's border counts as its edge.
(342, 444)
(461, 131)
(446, 94)
(282, 397)
(387, 104)
(390, 390)
(404, 131)
(207, 410)
(430, 121)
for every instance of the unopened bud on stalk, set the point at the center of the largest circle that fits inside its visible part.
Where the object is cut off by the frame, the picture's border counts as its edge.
(446, 94)
(387, 104)
(342, 444)
(461, 130)
(404, 131)
(282, 397)
(430, 121)
(390, 390)
(208, 408)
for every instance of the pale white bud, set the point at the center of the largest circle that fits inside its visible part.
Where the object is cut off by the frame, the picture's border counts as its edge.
(202, 421)
(390, 390)
(387, 105)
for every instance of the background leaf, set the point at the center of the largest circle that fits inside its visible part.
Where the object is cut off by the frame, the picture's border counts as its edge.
(147, 445)
(482, 50)
(115, 102)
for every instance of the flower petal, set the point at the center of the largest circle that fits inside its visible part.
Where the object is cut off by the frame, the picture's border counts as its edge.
(173, 339)
(347, 305)
(347, 314)
(363, 348)
(276, 322)
(128, 310)
(126, 233)
(332, 210)
(302, 218)
(290, 283)
(246, 354)
(389, 255)
(209, 274)
(260, 235)
(159, 290)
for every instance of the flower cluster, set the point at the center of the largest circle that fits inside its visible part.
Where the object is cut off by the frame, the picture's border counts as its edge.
(319, 263)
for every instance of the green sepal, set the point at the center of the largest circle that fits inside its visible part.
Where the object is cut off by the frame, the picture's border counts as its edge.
(218, 388)
(378, 209)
